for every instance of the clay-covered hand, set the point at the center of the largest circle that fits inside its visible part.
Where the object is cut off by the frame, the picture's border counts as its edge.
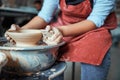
(13, 27)
(3, 60)
(52, 35)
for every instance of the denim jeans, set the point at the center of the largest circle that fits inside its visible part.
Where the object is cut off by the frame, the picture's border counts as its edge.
(91, 72)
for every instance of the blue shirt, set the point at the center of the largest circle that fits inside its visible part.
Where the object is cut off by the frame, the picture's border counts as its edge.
(101, 9)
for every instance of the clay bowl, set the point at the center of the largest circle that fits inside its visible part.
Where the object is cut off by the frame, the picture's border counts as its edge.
(25, 38)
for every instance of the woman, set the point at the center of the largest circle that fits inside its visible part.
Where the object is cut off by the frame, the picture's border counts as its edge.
(85, 26)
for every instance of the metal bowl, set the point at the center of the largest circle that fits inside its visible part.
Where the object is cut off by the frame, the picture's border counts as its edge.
(24, 60)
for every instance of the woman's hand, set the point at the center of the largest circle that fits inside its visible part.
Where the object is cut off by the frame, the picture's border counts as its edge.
(52, 35)
(13, 27)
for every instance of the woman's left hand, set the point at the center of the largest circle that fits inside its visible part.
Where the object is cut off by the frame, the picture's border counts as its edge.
(13, 28)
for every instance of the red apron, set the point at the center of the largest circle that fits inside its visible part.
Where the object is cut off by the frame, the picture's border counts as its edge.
(89, 47)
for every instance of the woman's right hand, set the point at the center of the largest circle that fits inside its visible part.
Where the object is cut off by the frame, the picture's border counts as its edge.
(52, 35)
(13, 27)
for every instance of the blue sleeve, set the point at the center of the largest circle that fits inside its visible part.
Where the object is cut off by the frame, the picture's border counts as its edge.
(48, 9)
(101, 9)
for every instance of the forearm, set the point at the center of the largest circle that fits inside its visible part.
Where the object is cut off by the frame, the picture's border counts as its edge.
(35, 23)
(77, 28)
(44, 16)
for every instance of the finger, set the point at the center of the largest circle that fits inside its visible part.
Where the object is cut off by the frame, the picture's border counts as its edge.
(50, 42)
(48, 28)
(12, 41)
(13, 27)
(47, 41)
(53, 37)
(56, 33)
(6, 35)
(56, 30)
(59, 39)
(8, 38)
(51, 32)
(17, 27)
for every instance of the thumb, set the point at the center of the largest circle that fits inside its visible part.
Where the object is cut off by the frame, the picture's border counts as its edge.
(14, 27)
(48, 28)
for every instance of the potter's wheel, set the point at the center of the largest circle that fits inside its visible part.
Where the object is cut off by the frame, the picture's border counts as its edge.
(29, 59)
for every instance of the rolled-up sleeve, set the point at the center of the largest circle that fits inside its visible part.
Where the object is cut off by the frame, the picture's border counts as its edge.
(101, 9)
(48, 9)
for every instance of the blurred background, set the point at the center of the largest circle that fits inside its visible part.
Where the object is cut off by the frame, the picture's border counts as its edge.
(21, 11)
(16, 12)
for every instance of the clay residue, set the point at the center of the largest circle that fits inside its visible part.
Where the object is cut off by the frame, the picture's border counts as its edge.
(8, 44)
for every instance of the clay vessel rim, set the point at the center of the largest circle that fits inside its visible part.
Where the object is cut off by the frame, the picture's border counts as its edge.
(26, 31)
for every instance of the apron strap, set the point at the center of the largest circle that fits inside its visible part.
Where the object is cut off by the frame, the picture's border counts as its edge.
(73, 2)
(91, 1)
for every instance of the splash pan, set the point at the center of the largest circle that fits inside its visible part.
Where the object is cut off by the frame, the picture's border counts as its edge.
(24, 60)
